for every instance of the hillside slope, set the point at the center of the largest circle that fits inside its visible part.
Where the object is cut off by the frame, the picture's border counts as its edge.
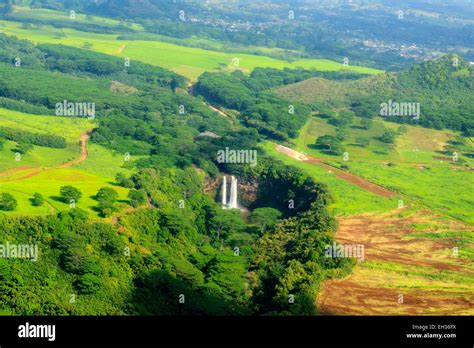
(443, 89)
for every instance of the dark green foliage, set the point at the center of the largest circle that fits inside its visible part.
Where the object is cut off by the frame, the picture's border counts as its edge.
(388, 136)
(137, 198)
(267, 78)
(443, 90)
(47, 140)
(78, 61)
(23, 147)
(123, 181)
(37, 200)
(107, 194)
(7, 202)
(265, 218)
(330, 144)
(107, 198)
(269, 114)
(68, 193)
(88, 284)
(19, 52)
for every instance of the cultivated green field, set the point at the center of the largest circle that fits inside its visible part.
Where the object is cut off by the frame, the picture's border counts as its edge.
(445, 190)
(188, 61)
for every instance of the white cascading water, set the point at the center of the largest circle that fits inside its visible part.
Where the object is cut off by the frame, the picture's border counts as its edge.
(224, 191)
(233, 193)
(232, 203)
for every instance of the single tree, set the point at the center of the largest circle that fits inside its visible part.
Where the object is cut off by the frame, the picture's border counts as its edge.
(7, 202)
(107, 194)
(68, 193)
(37, 200)
(330, 143)
(388, 136)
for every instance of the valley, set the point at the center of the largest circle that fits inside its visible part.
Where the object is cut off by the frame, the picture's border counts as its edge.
(126, 207)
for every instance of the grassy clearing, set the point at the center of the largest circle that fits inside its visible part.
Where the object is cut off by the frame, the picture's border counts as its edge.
(67, 127)
(48, 184)
(440, 188)
(102, 162)
(188, 61)
(350, 199)
(36, 157)
(37, 171)
(70, 128)
(417, 145)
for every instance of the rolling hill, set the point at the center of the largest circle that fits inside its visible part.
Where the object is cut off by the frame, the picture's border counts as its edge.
(442, 88)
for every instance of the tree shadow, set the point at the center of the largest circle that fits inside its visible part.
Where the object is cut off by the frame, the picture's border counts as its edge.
(58, 199)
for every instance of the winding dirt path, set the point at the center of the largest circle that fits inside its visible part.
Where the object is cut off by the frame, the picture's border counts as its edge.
(83, 141)
(33, 171)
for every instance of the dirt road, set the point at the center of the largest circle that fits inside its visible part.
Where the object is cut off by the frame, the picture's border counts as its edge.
(349, 177)
(83, 141)
(33, 171)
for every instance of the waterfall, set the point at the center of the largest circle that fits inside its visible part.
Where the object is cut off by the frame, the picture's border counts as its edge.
(232, 203)
(224, 191)
(233, 193)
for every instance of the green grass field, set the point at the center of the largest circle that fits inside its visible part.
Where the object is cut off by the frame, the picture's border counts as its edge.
(66, 127)
(188, 61)
(48, 184)
(416, 174)
(443, 189)
(37, 170)
(23, 12)
(417, 145)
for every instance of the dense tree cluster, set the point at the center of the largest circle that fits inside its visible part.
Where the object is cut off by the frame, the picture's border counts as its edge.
(268, 113)
(46, 140)
(443, 89)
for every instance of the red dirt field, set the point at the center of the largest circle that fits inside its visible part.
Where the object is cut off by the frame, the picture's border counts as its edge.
(423, 270)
